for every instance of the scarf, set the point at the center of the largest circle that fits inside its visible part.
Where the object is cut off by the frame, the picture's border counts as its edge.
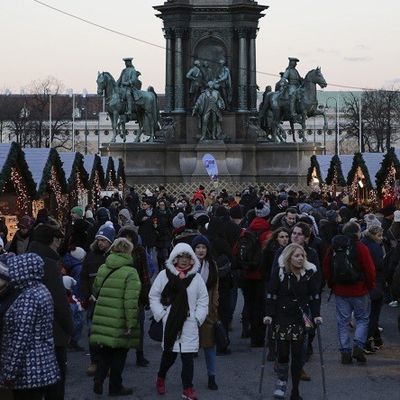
(211, 277)
(175, 295)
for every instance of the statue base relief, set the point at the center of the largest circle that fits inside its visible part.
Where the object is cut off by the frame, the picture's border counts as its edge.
(237, 162)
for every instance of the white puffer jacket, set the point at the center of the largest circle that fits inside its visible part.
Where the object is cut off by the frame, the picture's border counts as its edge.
(197, 293)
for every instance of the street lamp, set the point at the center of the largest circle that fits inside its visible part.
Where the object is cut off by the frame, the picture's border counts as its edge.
(360, 125)
(48, 92)
(337, 123)
(71, 94)
(84, 95)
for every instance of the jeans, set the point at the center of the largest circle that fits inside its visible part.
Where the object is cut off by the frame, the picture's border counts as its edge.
(57, 390)
(113, 360)
(167, 360)
(361, 308)
(373, 330)
(77, 316)
(210, 353)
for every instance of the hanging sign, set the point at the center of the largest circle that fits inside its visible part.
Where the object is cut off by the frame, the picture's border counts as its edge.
(210, 164)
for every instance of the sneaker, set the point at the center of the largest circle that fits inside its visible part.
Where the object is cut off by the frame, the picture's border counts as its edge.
(369, 346)
(160, 385)
(378, 343)
(91, 369)
(304, 376)
(121, 392)
(280, 389)
(394, 304)
(189, 394)
(358, 354)
(346, 358)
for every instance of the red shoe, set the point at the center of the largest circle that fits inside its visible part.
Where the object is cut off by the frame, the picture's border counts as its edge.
(160, 385)
(189, 394)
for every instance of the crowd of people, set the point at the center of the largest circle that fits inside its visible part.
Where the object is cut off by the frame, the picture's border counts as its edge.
(185, 260)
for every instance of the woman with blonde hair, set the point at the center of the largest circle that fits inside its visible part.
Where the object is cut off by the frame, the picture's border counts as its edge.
(292, 291)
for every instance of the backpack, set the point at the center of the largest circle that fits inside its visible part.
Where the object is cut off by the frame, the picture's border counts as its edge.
(344, 270)
(249, 250)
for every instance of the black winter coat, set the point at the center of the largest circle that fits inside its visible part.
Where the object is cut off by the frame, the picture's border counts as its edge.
(63, 325)
(147, 230)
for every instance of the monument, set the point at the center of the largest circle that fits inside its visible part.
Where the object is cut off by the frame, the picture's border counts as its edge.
(211, 102)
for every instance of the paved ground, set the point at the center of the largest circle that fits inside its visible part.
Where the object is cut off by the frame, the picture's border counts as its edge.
(238, 374)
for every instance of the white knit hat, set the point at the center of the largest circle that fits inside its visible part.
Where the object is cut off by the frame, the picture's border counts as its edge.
(396, 216)
(78, 253)
(178, 221)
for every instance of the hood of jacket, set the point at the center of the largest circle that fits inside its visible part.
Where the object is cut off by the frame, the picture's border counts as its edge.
(25, 270)
(179, 249)
(71, 262)
(118, 260)
(307, 267)
(259, 224)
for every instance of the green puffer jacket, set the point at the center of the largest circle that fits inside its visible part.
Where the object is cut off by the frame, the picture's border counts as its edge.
(117, 303)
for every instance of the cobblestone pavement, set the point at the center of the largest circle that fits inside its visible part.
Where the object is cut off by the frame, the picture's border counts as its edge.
(238, 374)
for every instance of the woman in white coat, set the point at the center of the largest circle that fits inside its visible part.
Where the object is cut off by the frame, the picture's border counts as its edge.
(179, 298)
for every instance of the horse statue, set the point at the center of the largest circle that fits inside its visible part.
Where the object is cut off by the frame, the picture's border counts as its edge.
(146, 109)
(276, 107)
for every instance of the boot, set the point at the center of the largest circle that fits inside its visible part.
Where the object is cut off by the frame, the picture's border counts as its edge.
(140, 360)
(369, 346)
(295, 395)
(121, 392)
(160, 385)
(280, 389)
(378, 342)
(346, 358)
(359, 355)
(211, 383)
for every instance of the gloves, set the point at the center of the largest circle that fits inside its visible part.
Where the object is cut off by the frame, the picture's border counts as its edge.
(267, 320)
(318, 320)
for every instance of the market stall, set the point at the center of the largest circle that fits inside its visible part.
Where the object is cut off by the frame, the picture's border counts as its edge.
(110, 176)
(77, 178)
(361, 178)
(318, 170)
(120, 170)
(94, 169)
(387, 179)
(337, 172)
(17, 187)
(49, 177)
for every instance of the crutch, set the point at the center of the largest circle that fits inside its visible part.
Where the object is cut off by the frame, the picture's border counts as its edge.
(263, 359)
(321, 359)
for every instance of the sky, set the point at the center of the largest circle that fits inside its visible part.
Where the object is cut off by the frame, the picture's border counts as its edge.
(354, 41)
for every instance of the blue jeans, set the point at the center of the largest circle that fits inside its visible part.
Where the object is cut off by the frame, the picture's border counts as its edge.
(210, 354)
(361, 308)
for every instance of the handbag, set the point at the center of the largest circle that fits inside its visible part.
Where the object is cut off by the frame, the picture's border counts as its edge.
(221, 337)
(156, 330)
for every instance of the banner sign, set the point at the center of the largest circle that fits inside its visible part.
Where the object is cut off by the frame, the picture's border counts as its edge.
(210, 164)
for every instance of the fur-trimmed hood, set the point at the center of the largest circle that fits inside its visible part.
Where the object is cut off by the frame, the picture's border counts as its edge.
(308, 266)
(179, 249)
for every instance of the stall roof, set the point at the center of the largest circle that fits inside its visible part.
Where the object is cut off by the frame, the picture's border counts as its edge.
(346, 162)
(92, 162)
(324, 161)
(39, 161)
(69, 159)
(108, 165)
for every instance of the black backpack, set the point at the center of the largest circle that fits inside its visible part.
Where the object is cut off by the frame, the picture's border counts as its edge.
(249, 250)
(344, 269)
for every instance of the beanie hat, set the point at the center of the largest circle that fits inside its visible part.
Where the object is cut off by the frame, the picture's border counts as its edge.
(45, 233)
(397, 216)
(305, 208)
(236, 212)
(77, 210)
(262, 209)
(371, 220)
(69, 282)
(200, 239)
(202, 220)
(178, 221)
(103, 214)
(331, 216)
(221, 211)
(129, 231)
(78, 253)
(106, 232)
(89, 214)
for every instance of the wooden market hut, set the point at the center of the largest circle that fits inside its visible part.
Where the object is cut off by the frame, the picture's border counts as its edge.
(17, 187)
(94, 169)
(387, 178)
(318, 170)
(110, 176)
(338, 170)
(361, 179)
(120, 173)
(77, 178)
(49, 177)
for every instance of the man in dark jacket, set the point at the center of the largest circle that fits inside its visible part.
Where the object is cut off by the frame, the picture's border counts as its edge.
(46, 240)
(23, 236)
(91, 264)
(352, 297)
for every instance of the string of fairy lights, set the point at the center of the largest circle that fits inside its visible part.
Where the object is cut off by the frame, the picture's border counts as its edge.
(21, 190)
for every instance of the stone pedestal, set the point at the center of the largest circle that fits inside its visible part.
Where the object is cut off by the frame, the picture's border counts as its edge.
(251, 162)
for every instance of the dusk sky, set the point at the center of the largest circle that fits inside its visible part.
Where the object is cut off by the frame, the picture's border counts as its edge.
(354, 41)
